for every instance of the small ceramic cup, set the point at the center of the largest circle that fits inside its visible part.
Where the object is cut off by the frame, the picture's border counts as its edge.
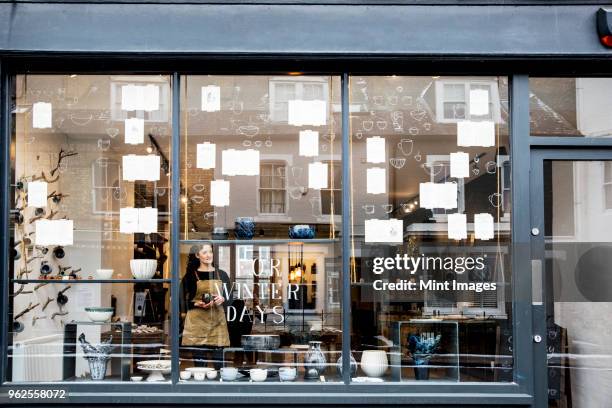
(229, 373)
(211, 375)
(199, 376)
(185, 375)
(136, 378)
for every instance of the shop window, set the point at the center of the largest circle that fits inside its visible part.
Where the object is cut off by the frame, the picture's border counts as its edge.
(267, 188)
(570, 107)
(431, 235)
(90, 276)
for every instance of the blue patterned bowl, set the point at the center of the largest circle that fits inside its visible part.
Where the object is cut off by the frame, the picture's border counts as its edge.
(244, 228)
(302, 231)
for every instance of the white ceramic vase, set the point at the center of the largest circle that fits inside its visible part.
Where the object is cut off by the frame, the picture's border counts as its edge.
(374, 363)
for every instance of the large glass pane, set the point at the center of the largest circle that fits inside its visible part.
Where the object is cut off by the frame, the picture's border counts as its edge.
(90, 210)
(570, 107)
(578, 283)
(430, 271)
(260, 256)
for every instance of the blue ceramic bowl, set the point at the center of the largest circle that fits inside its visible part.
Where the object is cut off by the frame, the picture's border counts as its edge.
(244, 228)
(302, 231)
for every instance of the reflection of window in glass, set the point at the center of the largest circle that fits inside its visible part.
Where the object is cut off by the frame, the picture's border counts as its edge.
(105, 186)
(438, 168)
(272, 188)
(284, 89)
(453, 100)
(607, 183)
(331, 198)
(160, 115)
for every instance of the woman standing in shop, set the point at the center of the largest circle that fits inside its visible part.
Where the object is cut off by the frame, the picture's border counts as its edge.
(204, 289)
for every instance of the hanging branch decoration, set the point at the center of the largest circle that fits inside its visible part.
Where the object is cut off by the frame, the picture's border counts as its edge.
(49, 300)
(35, 318)
(33, 258)
(26, 310)
(40, 285)
(22, 291)
(24, 271)
(62, 156)
(54, 315)
(57, 197)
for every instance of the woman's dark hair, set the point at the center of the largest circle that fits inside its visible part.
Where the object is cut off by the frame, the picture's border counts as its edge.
(193, 263)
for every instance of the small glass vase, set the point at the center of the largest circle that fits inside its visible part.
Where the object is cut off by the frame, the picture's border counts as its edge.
(353, 365)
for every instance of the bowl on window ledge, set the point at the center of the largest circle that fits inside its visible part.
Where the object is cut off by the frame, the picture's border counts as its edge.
(143, 268)
(302, 231)
(244, 227)
(99, 314)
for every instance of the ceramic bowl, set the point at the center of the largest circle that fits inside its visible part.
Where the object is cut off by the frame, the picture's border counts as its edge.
(143, 268)
(287, 373)
(374, 363)
(244, 227)
(258, 374)
(199, 376)
(301, 231)
(136, 378)
(99, 314)
(185, 375)
(211, 375)
(104, 273)
(229, 373)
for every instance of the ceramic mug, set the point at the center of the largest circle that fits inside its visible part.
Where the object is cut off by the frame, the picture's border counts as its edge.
(199, 375)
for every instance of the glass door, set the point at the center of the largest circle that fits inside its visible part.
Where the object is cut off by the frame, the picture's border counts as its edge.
(571, 215)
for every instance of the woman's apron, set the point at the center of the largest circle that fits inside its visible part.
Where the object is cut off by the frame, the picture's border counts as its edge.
(206, 327)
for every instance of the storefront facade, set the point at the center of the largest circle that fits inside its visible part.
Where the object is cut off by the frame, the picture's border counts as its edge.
(312, 204)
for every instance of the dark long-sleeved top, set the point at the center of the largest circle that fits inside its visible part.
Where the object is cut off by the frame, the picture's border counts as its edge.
(189, 286)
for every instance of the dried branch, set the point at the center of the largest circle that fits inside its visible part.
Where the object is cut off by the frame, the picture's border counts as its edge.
(62, 156)
(26, 310)
(40, 285)
(49, 300)
(23, 271)
(58, 314)
(22, 291)
(35, 318)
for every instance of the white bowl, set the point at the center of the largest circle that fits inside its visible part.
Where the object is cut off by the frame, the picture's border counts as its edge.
(104, 273)
(211, 375)
(99, 314)
(229, 373)
(287, 373)
(258, 374)
(199, 376)
(143, 268)
(136, 378)
(185, 375)
(374, 363)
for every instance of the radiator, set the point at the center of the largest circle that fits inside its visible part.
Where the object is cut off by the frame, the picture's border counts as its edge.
(38, 358)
